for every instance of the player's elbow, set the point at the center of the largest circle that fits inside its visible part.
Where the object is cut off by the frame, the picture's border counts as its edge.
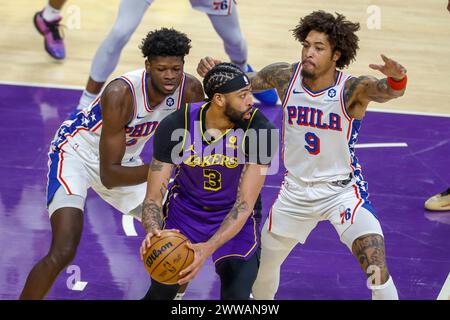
(105, 178)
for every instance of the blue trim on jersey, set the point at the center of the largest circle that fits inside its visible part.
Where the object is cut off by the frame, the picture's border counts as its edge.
(80, 120)
(134, 101)
(53, 182)
(316, 92)
(361, 184)
(344, 102)
(147, 98)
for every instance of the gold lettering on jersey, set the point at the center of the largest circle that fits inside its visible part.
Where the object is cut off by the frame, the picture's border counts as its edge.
(212, 160)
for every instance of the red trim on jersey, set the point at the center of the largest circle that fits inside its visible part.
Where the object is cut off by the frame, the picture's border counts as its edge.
(181, 92)
(310, 93)
(339, 78)
(348, 130)
(144, 92)
(229, 6)
(93, 103)
(342, 102)
(270, 219)
(60, 178)
(134, 95)
(98, 125)
(321, 92)
(359, 202)
(61, 157)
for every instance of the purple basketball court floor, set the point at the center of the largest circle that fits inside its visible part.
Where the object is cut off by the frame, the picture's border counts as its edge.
(405, 159)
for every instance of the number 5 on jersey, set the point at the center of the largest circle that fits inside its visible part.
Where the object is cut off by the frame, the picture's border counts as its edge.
(312, 143)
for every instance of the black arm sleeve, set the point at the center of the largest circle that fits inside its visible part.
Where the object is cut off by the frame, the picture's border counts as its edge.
(163, 143)
(262, 144)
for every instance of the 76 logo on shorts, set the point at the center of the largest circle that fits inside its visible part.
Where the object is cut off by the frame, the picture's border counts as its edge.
(345, 215)
(220, 5)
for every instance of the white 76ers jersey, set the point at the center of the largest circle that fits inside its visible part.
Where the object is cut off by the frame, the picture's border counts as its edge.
(84, 128)
(318, 134)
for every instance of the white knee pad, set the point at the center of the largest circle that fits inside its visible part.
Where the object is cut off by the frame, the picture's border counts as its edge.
(63, 200)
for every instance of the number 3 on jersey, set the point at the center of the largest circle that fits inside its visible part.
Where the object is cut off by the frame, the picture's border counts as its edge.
(312, 143)
(214, 180)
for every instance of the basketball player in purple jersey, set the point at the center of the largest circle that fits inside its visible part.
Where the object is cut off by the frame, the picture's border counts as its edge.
(322, 112)
(218, 178)
(99, 147)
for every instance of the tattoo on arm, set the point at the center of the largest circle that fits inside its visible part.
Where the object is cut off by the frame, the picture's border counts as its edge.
(368, 88)
(240, 207)
(276, 75)
(152, 215)
(156, 165)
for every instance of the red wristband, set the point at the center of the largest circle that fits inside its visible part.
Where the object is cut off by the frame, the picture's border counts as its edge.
(397, 85)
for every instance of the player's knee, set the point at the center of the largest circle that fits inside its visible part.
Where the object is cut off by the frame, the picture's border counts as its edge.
(61, 256)
(118, 38)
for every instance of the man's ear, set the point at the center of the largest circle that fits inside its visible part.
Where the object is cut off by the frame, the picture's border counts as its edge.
(219, 99)
(147, 65)
(336, 55)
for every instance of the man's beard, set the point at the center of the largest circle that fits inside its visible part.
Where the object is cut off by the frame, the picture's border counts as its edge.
(307, 74)
(234, 116)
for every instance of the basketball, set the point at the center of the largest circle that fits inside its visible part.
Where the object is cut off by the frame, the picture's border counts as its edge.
(167, 256)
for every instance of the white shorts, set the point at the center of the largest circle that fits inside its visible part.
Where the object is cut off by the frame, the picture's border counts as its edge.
(78, 170)
(214, 7)
(300, 206)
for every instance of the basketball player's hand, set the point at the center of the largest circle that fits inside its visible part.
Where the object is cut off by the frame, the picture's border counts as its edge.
(390, 68)
(202, 251)
(146, 243)
(206, 64)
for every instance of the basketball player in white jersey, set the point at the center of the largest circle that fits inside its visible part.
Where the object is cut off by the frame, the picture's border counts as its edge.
(322, 112)
(100, 146)
(224, 18)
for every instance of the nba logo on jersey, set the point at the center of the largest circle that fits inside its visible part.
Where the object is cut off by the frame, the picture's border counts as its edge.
(170, 102)
(331, 93)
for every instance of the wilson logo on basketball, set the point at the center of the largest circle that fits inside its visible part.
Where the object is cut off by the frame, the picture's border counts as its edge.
(156, 253)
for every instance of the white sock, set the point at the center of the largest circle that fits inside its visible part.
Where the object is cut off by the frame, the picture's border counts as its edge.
(50, 13)
(86, 99)
(386, 291)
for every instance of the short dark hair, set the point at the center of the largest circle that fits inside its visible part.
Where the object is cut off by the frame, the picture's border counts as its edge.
(340, 32)
(218, 75)
(165, 42)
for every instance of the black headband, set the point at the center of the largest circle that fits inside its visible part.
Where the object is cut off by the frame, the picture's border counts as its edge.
(234, 84)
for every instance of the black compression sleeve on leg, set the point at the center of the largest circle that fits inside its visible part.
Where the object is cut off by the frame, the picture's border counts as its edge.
(237, 277)
(159, 291)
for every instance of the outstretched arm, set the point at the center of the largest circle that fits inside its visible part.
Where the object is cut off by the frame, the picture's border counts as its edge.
(360, 91)
(252, 180)
(276, 75)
